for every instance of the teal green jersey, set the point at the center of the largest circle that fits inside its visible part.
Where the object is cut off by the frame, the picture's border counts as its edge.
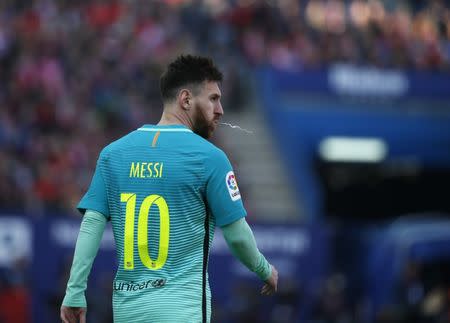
(164, 189)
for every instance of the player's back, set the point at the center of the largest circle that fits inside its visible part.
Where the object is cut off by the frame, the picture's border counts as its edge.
(155, 181)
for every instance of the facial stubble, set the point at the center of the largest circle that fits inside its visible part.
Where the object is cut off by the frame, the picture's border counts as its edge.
(202, 126)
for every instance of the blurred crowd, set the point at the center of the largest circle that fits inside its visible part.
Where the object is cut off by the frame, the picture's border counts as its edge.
(422, 295)
(75, 75)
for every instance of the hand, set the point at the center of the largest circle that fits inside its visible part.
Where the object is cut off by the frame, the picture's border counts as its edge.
(271, 285)
(73, 314)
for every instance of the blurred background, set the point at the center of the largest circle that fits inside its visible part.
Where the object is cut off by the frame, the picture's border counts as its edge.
(345, 175)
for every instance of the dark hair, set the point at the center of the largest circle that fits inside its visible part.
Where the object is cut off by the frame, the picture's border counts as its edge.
(186, 70)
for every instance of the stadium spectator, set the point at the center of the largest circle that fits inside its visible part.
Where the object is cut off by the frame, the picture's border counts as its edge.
(69, 71)
(74, 75)
(15, 298)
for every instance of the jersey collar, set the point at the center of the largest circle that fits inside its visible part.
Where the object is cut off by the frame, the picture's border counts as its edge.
(169, 128)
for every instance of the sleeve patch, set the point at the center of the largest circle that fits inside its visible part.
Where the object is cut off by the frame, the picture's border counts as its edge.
(231, 183)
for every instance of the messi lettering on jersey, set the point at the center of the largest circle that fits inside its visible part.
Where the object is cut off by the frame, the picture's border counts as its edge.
(146, 169)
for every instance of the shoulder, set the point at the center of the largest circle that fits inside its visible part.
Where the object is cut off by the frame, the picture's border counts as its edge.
(215, 159)
(116, 146)
(211, 152)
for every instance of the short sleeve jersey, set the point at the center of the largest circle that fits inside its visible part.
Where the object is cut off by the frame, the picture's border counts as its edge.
(164, 189)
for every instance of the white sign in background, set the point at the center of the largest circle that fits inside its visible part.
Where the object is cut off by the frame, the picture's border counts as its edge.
(15, 241)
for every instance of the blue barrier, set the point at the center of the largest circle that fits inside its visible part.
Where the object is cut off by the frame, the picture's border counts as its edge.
(299, 252)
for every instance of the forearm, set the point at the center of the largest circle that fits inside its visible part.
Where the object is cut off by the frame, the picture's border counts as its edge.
(242, 244)
(86, 249)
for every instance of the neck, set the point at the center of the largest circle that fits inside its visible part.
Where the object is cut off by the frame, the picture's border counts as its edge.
(170, 117)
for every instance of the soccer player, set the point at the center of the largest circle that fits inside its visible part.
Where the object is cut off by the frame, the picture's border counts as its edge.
(164, 188)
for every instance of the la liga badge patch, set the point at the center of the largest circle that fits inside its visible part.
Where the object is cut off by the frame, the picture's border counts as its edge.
(233, 189)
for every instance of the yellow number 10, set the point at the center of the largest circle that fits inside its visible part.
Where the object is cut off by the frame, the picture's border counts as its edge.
(142, 234)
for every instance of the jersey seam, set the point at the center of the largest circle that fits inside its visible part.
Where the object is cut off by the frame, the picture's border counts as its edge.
(106, 186)
(205, 180)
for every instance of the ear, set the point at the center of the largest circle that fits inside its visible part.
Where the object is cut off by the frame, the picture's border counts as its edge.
(184, 99)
